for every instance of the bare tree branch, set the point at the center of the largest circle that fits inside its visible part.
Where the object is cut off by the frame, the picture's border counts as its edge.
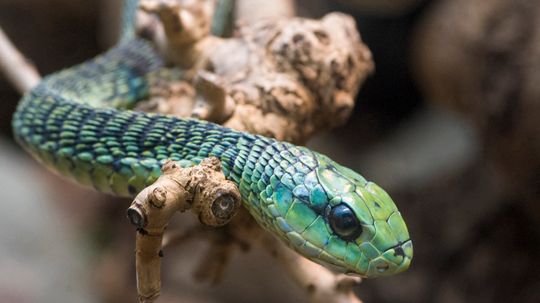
(17, 69)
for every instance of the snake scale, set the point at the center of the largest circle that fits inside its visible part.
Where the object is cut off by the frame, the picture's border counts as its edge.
(78, 123)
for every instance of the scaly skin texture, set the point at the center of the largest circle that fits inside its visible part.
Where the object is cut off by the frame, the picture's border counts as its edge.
(76, 122)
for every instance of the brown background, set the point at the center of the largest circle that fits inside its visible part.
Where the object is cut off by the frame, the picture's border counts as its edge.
(476, 238)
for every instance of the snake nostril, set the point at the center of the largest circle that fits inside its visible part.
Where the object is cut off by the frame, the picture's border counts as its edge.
(398, 251)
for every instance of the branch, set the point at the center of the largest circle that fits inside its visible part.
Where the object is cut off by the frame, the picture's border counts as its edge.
(285, 78)
(202, 188)
(15, 67)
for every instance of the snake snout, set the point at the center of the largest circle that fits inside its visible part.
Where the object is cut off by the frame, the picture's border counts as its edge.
(394, 260)
(401, 252)
(401, 255)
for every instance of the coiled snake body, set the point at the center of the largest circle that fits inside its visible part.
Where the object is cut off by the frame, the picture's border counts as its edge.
(77, 123)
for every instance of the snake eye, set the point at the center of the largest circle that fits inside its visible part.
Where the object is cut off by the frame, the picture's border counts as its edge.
(344, 222)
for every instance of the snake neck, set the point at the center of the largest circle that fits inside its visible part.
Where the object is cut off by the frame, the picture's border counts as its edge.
(121, 152)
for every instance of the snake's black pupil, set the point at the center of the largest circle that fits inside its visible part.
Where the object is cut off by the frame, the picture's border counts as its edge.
(344, 222)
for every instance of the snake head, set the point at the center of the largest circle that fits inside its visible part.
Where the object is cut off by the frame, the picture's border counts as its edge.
(359, 229)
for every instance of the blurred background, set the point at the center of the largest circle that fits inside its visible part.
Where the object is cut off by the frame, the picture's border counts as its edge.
(448, 124)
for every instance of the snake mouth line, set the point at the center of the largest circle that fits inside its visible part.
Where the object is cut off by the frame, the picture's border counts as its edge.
(398, 250)
(385, 264)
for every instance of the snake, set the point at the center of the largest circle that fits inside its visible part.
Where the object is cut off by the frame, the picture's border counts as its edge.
(79, 123)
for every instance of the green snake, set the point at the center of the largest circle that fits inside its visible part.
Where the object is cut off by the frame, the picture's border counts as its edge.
(78, 123)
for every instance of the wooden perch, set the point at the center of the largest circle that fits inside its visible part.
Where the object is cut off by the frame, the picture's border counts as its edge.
(202, 188)
(212, 102)
(286, 78)
(15, 67)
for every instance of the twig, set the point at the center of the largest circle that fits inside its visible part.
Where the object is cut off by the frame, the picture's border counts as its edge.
(15, 67)
(212, 102)
(202, 188)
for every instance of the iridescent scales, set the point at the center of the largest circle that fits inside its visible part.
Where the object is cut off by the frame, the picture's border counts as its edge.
(71, 123)
(383, 229)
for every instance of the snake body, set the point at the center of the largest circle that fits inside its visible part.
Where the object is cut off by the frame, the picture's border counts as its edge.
(78, 123)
